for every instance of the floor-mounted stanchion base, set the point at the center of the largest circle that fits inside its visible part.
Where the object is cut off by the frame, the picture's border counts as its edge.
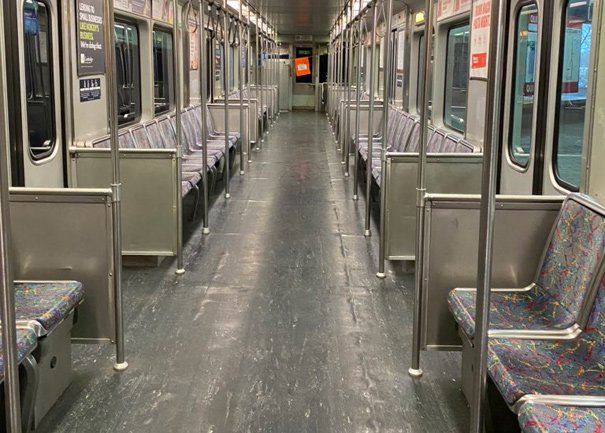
(346, 174)
(355, 197)
(367, 233)
(227, 196)
(249, 161)
(381, 275)
(415, 373)
(242, 172)
(342, 163)
(206, 231)
(180, 271)
(120, 366)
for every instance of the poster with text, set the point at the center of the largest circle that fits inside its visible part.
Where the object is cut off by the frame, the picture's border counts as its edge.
(139, 7)
(194, 46)
(162, 11)
(450, 8)
(480, 38)
(91, 53)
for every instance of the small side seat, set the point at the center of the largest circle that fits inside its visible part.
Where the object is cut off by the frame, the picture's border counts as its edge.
(565, 283)
(550, 418)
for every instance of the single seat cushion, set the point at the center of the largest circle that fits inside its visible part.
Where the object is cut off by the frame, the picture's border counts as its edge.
(552, 367)
(571, 262)
(531, 310)
(26, 343)
(542, 418)
(48, 303)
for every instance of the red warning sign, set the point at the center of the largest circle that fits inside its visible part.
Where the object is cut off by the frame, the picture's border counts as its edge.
(302, 66)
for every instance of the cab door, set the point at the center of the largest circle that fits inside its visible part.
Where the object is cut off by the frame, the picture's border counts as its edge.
(521, 154)
(39, 89)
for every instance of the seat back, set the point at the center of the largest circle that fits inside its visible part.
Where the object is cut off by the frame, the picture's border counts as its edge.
(167, 133)
(413, 144)
(141, 139)
(571, 269)
(126, 141)
(155, 135)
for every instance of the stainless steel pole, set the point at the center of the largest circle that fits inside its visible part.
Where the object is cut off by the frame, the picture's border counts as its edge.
(415, 370)
(388, 6)
(368, 232)
(259, 81)
(180, 266)
(226, 88)
(12, 404)
(249, 84)
(358, 106)
(347, 136)
(345, 70)
(204, 100)
(493, 128)
(116, 185)
(240, 63)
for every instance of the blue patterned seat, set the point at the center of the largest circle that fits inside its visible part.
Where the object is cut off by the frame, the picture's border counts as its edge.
(569, 269)
(542, 418)
(26, 343)
(47, 303)
(552, 367)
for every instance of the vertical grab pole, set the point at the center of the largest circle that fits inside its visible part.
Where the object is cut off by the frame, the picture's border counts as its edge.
(12, 404)
(415, 370)
(488, 209)
(203, 102)
(180, 267)
(346, 85)
(278, 68)
(226, 87)
(358, 105)
(385, 128)
(242, 124)
(368, 232)
(116, 185)
(249, 84)
(259, 78)
(347, 136)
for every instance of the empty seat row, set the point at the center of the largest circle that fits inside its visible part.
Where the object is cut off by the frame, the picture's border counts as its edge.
(548, 339)
(552, 418)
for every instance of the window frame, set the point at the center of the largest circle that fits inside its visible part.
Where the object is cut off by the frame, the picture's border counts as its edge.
(511, 157)
(562, 183)
(171, 87)
(49, 153)
(455, 25)
(137, 75)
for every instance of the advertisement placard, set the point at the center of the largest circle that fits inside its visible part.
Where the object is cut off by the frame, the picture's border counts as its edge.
(91, 52)
(479, 51)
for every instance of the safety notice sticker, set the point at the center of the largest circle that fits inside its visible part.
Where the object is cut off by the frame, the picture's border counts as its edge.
(480, 38)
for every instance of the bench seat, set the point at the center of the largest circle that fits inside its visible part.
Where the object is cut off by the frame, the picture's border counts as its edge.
(565, 367)
(569, 274)
(47, 303)
(543, 418)
(27, 342)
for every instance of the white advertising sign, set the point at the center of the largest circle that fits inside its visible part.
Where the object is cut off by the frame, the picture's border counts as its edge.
(479, 51)
(451, 8)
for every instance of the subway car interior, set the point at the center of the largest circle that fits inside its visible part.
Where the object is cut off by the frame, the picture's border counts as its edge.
(231, 216)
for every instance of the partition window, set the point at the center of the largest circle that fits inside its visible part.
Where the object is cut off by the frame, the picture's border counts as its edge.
(39, 85)
(128, 72)
(524, 78)
(398, 68)
(456, 77)
(572, 92)
(420, 87)
(163, 71)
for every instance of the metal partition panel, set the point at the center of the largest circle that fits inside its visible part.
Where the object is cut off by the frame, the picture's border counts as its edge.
(217, 112)
(523, 225)
(149, 195)
(364, 120)
(216, 109)
(66, 234)
(445, 174)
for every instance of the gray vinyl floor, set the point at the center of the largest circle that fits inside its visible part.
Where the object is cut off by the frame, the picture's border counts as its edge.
(279, 324)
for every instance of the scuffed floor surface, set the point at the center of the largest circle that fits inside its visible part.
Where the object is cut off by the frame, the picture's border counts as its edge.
(279, 324)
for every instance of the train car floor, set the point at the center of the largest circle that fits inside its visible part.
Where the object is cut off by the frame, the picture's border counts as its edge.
(279, 324)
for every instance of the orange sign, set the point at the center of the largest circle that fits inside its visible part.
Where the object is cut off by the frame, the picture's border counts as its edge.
(302, 66)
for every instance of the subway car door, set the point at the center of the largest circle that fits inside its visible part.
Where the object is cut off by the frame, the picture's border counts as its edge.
(520, 153)
(40, 149)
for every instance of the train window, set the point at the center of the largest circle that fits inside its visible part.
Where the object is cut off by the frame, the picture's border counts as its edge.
(456, 77)
(421, 76)
(399, 57)
(524, 77)
(572, 92)
(39, 88)
(163, 71)
(128, 69)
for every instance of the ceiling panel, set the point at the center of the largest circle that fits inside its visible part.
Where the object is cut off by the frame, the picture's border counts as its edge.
(300, 17)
